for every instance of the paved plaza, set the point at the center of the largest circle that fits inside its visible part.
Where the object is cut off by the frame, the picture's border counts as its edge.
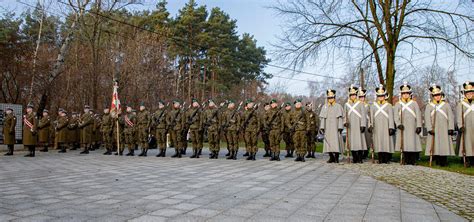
(73, 187)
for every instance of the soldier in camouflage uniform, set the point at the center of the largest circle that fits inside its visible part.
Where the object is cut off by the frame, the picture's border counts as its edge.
(265, 136)
(74, 133)
(9, 123)
(287, 135)
(106, 129)
(30, 130)
(212, 122)
(62, 130)
(130, 121)
(97, 135)
(231, 125)
(176, 122)
(159, 124)
(251, 127)
(44, 127)
(299, 124)
(86, 123)
(194, 120)
(274, 124)
(143, 129)
(312, 131)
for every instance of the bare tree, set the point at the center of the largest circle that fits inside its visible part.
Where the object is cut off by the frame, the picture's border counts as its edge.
(376, 31)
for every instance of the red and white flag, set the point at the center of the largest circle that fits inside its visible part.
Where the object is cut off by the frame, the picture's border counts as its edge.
(115, 106)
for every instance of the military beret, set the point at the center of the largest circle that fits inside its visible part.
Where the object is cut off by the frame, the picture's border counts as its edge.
(87, 107)
(9, 108)
(194, 100)
(45, 111)
(298, 100)
(287, 104)
(30, 105)
(273, 101)
(230, 101)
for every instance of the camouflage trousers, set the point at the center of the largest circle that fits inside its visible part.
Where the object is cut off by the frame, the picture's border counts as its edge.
(142, 135)
(196, 138)
(300, 142)
(108, 139)
(213, 138)
(177, 137)
(275, 139)
(160, 135)
(233, 140)
(266, 140)
(288, 138)
(310, 140)
(250, 138)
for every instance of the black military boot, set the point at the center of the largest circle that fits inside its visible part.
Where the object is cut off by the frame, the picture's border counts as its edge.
(331, 158)
(249, 156)
(228, 153)
(231, 155)
(253, 155)
(180, 154)
(298, 158)
(312, 155)
(145, 153)
(131, 152)
(308, 155)
(164, 153)
(302, 158)
(288, 154)
(10, 151)
(45, 149)
(234, 157)
(183, 151)
(33, 150)
(360, 154)
(277, 156)
(336, 157)
(175, 153)
(199, 152)
(63, 149)
(267, 153)
(272, 157)
(291, 153)
(194, 154)
(160, 153)
(86, 150)
(211, 155)
(246, 154)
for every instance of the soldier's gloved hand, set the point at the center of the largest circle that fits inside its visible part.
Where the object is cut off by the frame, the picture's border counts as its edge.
(418, 130)
(391, 132)
(401, 127)
(451, 132)
(461, 130)
(346, 124)
(431, 132)
(362, 129)
(339, 130)
(371, 129)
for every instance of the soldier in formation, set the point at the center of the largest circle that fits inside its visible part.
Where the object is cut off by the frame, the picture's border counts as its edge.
(377, 126)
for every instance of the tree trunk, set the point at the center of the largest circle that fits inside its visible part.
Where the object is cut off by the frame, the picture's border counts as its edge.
(390, 74)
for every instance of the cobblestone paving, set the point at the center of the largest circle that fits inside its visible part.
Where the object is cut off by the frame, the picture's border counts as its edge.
(452, 190)
(72, 187)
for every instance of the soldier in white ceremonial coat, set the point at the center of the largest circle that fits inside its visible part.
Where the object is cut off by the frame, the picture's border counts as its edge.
(409, 122)
(382, 125)
(465, 121)
(439, 122)
(367, 138)
(355, 122)
(331, 123)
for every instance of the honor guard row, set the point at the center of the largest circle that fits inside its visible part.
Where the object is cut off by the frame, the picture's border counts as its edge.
(378, 127)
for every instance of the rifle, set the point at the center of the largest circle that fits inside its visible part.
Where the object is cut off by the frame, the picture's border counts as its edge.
(226, 125)
(401, 135)
(173, 122)
(273, 119)
(293, 127)
(433, 136)
(247, 120)
(208, 122)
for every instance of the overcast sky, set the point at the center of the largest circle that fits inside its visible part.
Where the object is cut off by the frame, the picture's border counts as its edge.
(254, 17)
